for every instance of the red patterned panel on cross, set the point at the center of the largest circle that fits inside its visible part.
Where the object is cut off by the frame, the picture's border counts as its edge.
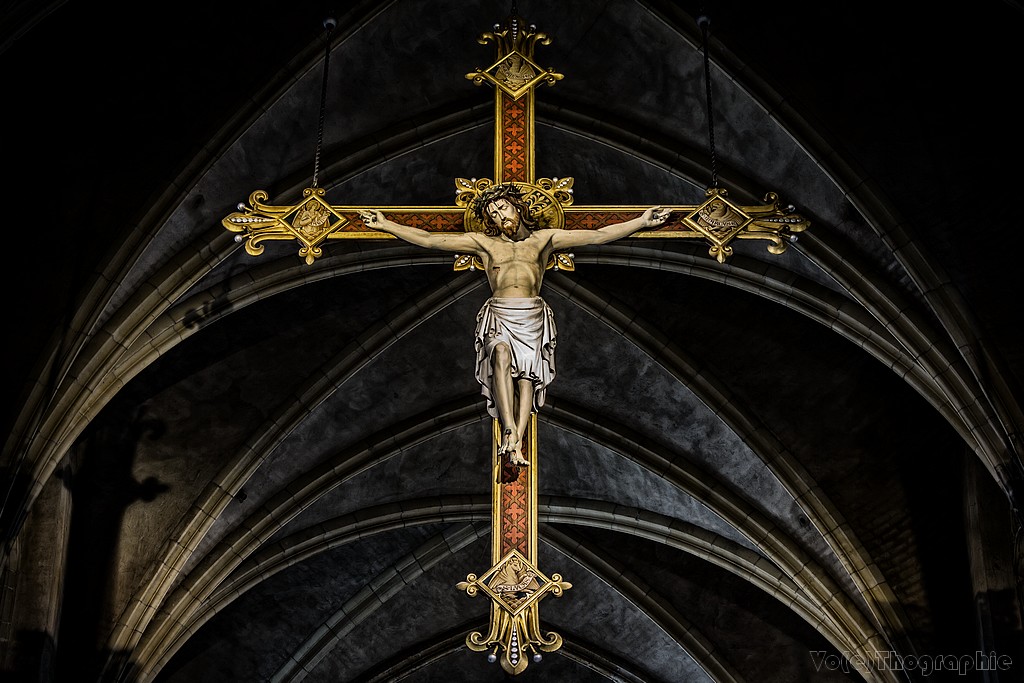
(515, 515)
(591, 220)
(433, 221)
(515, 139)
(516, 499)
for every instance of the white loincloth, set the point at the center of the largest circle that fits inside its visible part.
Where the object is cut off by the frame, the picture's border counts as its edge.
(527, 326)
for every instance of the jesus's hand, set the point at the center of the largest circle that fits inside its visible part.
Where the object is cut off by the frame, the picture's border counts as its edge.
(655, 216)
(372, 219)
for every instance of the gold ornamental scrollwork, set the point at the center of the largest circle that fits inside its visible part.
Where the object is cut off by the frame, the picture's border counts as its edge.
(310, 222)
(720, 222)
(515, 587)
(514, 72)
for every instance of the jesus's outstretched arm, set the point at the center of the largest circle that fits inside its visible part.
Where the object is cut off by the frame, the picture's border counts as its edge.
(457, 242)
(567, 239)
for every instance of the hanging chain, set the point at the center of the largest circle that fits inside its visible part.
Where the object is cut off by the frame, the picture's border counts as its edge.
(704, 22)
(329, 24)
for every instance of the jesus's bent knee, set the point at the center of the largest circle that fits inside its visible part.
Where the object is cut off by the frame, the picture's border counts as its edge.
(501, 357)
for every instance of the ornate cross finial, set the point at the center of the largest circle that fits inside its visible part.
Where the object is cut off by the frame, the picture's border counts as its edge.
(515, 72)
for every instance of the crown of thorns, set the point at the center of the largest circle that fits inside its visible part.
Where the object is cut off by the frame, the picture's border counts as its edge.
(493, 194)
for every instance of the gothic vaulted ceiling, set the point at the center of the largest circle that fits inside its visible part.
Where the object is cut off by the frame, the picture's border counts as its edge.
(220, 467)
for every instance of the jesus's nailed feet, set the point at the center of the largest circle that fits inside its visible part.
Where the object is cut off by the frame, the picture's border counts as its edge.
(508, 443)
(515, 458)
(510, 447)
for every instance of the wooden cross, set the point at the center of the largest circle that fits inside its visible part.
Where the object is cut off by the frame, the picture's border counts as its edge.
(514, 583)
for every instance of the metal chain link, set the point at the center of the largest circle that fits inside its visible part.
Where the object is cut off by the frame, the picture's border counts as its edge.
(704, 23)
(329, 24)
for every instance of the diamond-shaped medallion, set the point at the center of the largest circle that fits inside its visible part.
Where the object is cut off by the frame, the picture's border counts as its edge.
(514, 583)
(313, 220)
(515, 73)
(718, 219)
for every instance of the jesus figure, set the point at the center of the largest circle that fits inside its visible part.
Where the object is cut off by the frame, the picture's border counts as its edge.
(515, 332)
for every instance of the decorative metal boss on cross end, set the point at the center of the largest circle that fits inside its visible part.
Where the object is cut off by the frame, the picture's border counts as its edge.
(515, 587)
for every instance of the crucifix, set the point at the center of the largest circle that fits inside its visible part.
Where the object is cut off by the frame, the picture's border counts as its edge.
(513, 228)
